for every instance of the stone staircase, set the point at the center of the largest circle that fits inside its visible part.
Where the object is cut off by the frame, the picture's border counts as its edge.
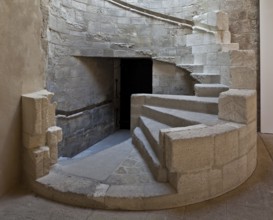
(210, 37)
(171, 132)
(197, 147)
(163, 113)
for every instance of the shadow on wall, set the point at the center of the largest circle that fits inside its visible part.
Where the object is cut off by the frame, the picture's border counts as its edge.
(86, 110)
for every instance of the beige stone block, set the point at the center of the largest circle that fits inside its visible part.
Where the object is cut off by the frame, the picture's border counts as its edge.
(243, 58)
(45, 93)
(173, 179)
(36, 162)
(46, 160)
(243, 78)
(247, 138)
(189, 154)
(163, 135)
(53, 150)
(136, 109)
(222, 37)
(219, 19)
(54, 135)
(226, 147)
(234, 173)
(238, 106)
(134, 122)
(35, 112)
(32, 115)
(251, 160)
(230, 175)
(45, 113)
(194, 187)
(215, 182)
(242, 168)
(138, 99)
(51, 118)
(33, 163)
(33, 141)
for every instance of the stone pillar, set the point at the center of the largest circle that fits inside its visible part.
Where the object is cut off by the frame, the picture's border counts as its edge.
(40, 134)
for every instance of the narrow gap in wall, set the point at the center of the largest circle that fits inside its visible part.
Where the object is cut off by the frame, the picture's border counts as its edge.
(135, 77)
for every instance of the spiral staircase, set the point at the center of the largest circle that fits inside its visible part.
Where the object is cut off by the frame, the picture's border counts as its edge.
(196, 147)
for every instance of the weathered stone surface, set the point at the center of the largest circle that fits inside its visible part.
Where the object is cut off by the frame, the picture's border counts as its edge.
(33, 141)
(137, 100)
(243, 78)
(251, 160)
(89, 126)
(226, 147)
(36, 162)
(218, 20)
(54, 135)
(239, 58)
(238, 106)
(194, 186)
(53, 151)
(35, 112)
(46, 159)
(247, 136)
(215, 181)
(168, 79)
(234, 173)
(51, 119)
(32, 115)
(39, 140)
(193, 153)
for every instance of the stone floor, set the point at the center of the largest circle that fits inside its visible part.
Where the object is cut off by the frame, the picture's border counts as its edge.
(124, 166)
(252, 200)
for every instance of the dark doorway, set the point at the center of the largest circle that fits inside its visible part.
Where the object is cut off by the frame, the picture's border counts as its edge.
(135, 77)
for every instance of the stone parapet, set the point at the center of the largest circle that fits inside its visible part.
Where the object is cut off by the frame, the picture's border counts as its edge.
(207, 161)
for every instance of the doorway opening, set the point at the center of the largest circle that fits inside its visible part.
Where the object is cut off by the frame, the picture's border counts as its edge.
(135, 77)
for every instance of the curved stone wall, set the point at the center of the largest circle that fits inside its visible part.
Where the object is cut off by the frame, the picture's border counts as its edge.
(208, 161)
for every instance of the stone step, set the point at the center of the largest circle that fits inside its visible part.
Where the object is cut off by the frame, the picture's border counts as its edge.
(151, 129)
(203, 38)
(207, 78)
(209, 90)
(185, 59)
(178, 118)
(213, 48)
(207, 105)
(142, 144)
(192, 68)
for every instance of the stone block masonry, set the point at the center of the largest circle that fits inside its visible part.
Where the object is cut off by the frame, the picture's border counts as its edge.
(212, 156)
(238, 106)
(83, 89)
(85, 128)
(40, 134)
(210, 160)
